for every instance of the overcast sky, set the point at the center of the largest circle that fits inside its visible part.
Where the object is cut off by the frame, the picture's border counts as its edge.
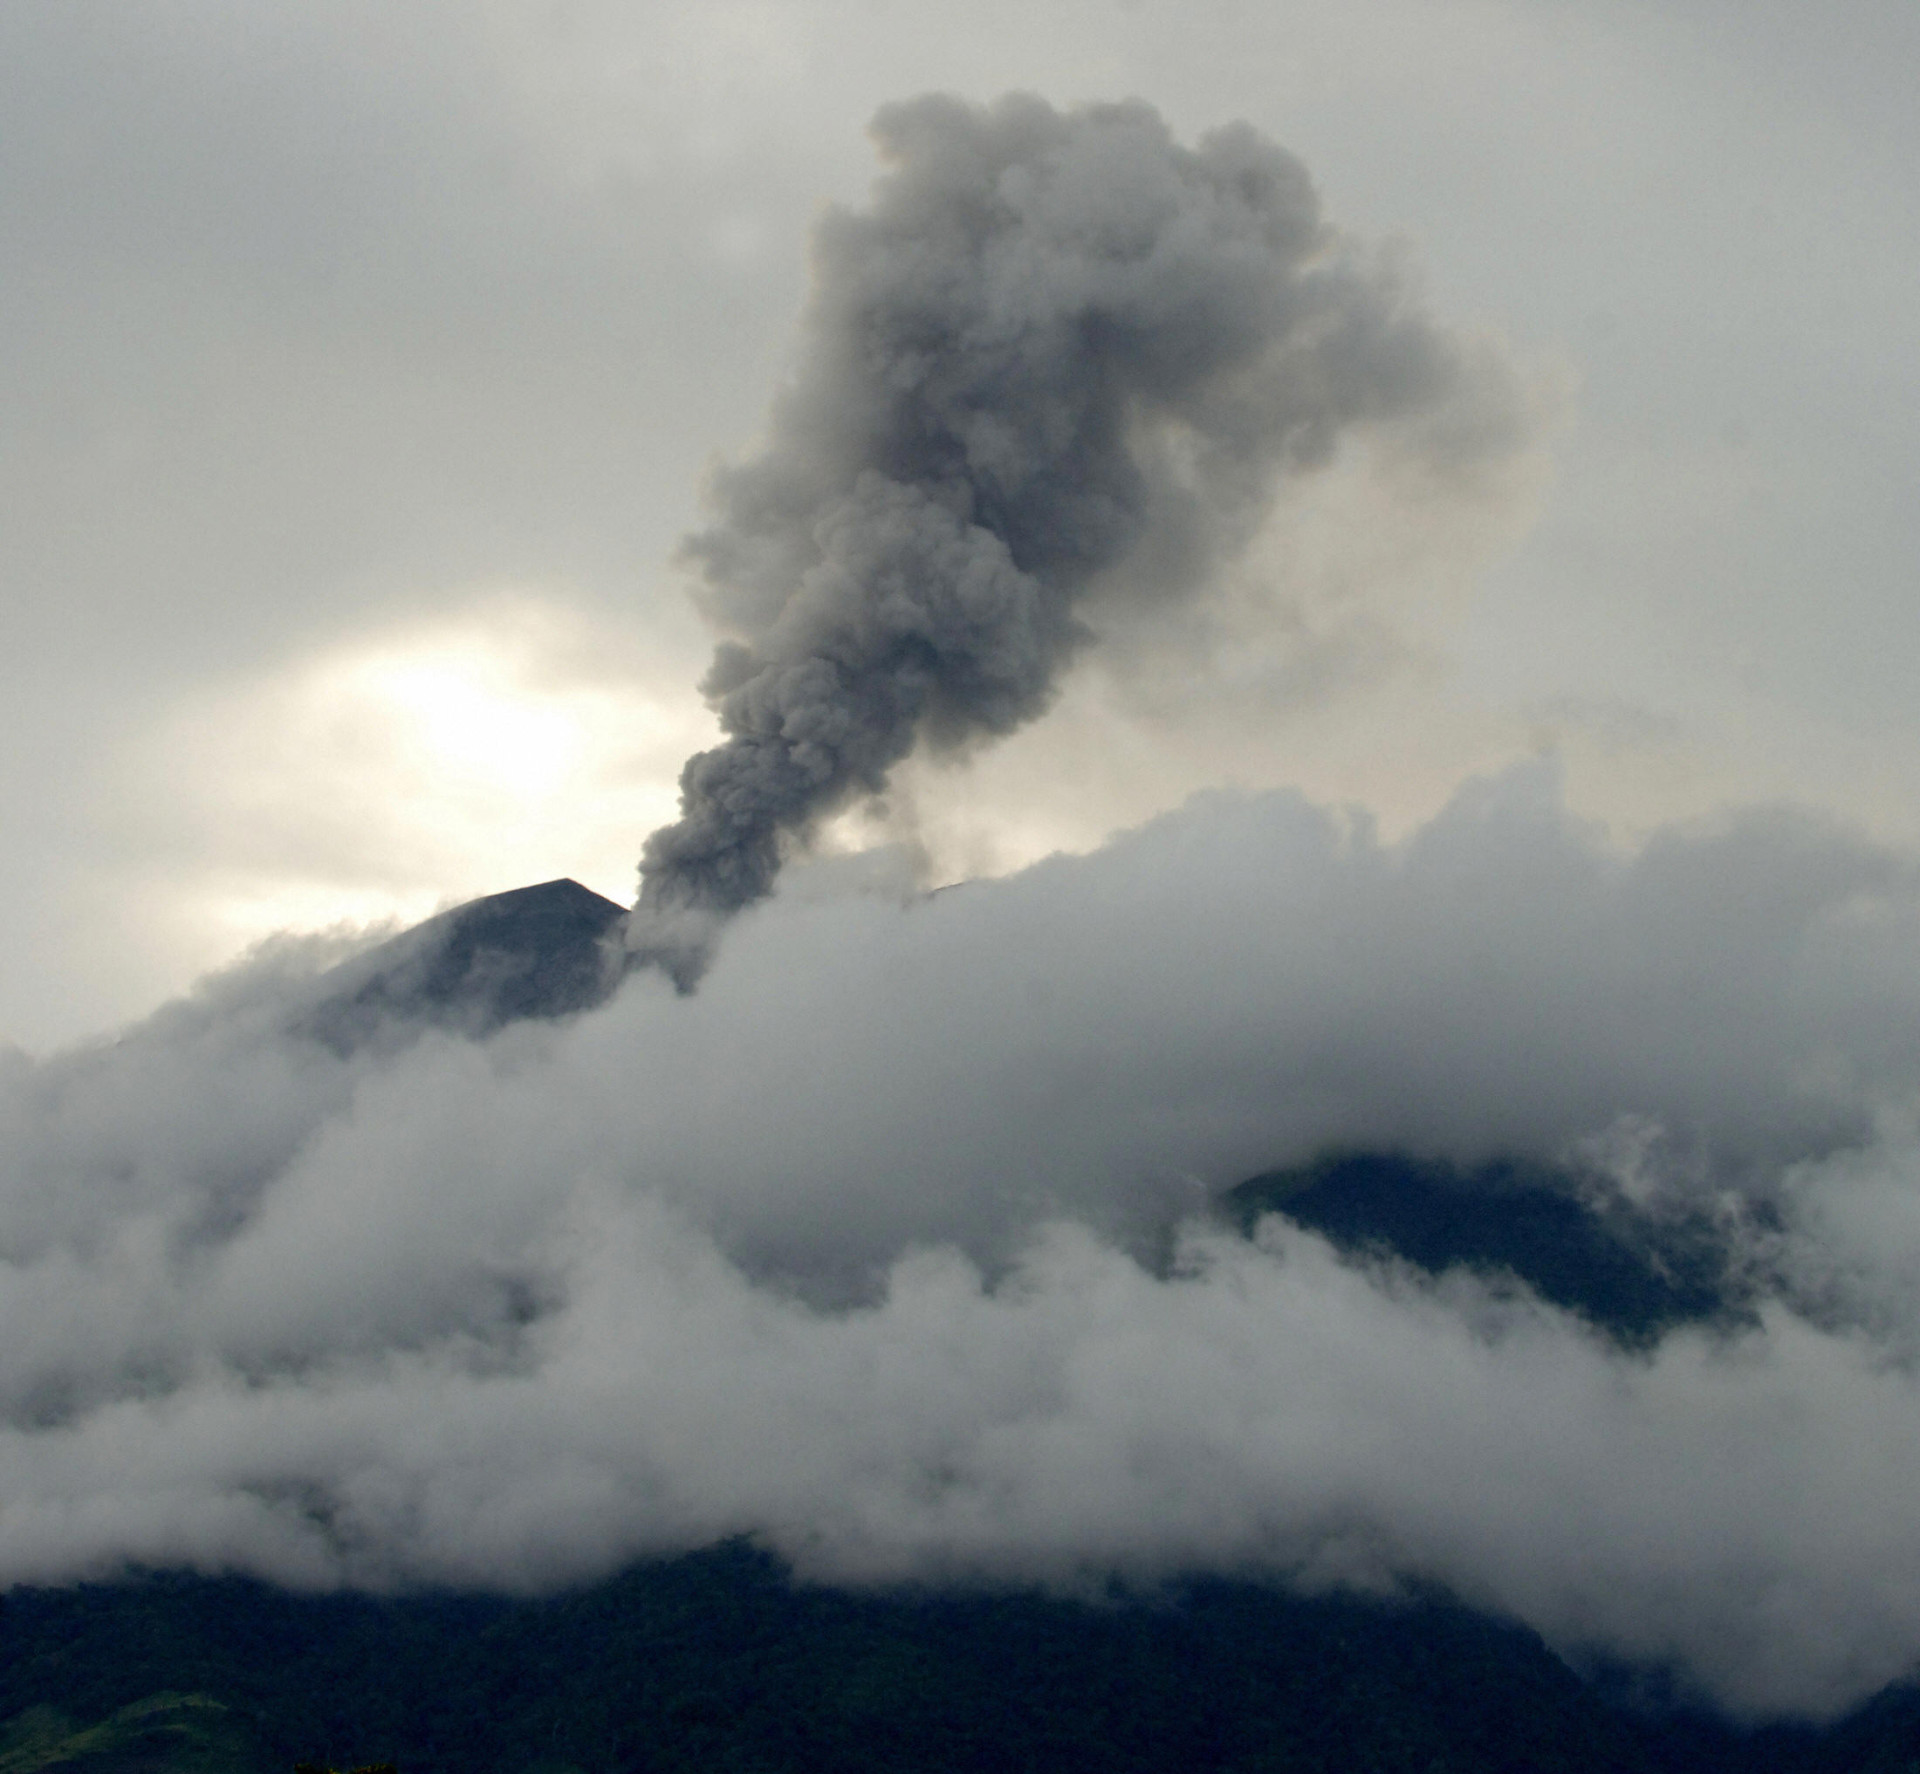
(363, 366)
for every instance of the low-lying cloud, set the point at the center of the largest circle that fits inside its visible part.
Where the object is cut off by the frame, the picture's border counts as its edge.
(892, 1248)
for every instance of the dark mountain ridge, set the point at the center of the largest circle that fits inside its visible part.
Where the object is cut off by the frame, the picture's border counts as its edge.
(544, 951)
(716, 1660)
(1631, 1274)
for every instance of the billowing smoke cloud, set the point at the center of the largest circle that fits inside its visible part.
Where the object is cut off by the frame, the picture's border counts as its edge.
(891, 1247)
(1056, 347)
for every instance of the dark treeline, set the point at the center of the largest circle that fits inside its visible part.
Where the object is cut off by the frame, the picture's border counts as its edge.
(717, 1661)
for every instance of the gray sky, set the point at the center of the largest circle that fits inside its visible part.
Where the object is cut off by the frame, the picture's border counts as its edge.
(363, 370)
(364, 367)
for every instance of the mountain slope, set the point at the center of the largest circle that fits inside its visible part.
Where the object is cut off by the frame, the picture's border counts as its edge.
(541, 951)
(1633, 1275)
(715, 1660)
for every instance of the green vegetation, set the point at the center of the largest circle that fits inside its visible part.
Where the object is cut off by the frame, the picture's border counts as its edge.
(717, 1661)
(179, 1733)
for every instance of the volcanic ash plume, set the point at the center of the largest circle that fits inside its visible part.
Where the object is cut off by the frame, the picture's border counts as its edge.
(1055, 347)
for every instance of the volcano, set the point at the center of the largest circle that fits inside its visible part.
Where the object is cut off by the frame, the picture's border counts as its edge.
(545, 951)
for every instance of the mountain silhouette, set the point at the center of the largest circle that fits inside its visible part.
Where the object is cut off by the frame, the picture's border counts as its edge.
(543, 951)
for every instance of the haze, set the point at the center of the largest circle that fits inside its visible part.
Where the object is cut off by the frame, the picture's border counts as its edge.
(1472, 719)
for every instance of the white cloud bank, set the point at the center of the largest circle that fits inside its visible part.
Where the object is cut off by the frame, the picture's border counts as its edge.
(849, 1251)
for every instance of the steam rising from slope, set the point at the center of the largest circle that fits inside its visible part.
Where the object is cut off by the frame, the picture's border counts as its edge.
(863, 1249)
(1054, 347)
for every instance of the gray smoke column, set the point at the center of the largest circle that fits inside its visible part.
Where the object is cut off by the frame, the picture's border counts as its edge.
(1055, 347)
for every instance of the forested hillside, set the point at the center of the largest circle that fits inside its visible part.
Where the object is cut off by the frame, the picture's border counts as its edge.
(716, 1661)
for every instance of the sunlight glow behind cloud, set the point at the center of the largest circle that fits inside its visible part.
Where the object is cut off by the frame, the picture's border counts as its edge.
(422, 766)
